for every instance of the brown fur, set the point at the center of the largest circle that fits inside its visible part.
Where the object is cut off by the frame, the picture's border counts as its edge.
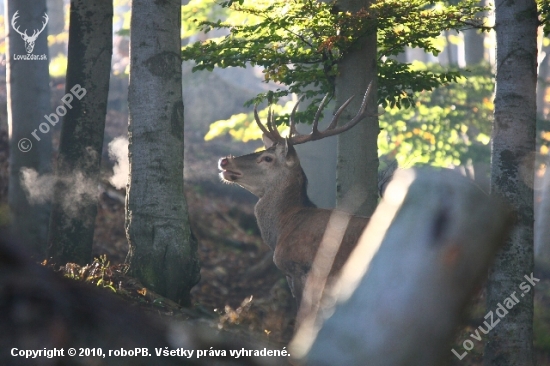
(291, 225)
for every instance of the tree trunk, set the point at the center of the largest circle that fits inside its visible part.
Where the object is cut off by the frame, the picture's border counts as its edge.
(449, 57)
(321, 177)
(511, 341)
(163, 251)
(474, 48)
(431, 242)
(74, 206)
(357, 164)
(28, 92)
(542, 229)
(542, 210)
(474, 44)
(56, 25)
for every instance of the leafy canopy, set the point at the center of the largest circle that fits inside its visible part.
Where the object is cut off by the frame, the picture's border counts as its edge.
(449, 126)
(543, 8)
(299, 44)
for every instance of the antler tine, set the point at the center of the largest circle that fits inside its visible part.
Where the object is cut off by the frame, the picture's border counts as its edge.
(362, 113)
(260, 124)
(273, 126)
(292, 115)
(314, 129)
(336, 117)
(295, 137)
(331, 130)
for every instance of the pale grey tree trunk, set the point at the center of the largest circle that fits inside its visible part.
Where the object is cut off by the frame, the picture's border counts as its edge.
(74, 206)
(510, 342)
(318, 160)
(56, 25)
(163, 251)
(474, 49)
(28, 101)
(542, 210)
(474, 44)
(450, 54)
(542, 222)
(357, 164)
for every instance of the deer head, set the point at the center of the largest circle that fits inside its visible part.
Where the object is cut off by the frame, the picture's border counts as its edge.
(260, 171)
(29, 40)
(279, 163)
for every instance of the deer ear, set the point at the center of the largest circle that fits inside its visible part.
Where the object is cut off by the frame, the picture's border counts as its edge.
(290, 153)
(267, 141)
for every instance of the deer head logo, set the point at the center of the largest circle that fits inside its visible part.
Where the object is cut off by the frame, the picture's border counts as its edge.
(29, 40)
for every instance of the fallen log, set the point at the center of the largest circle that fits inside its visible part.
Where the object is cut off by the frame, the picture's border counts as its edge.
(431, 241)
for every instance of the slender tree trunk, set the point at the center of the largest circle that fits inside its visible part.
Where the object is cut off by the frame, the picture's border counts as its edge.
(510, 342)
(474, 44)
(542, 229)
(163, 251)
(474, 48)
(357, 166)
(56, 25)
(542, 216)
(28, 101)
(74, 206)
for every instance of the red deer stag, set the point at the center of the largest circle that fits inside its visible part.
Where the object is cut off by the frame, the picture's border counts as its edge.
(290, 224)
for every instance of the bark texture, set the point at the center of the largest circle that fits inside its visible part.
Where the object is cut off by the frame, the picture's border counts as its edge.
(163, 251)
(357, 164)
(28, 92)
(511, 341)
(74, 207)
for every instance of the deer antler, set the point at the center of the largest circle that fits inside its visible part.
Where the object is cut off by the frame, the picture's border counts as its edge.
(296, 138)
(270, 129)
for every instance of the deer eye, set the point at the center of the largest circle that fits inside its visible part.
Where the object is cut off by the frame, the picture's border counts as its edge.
(268, 159)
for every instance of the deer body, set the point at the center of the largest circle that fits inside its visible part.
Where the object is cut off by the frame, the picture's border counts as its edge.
(290, 224)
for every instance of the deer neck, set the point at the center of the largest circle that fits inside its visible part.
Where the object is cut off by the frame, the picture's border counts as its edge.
(277, 206)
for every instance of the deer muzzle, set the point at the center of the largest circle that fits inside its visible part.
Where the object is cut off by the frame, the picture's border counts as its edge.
(229, 172)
